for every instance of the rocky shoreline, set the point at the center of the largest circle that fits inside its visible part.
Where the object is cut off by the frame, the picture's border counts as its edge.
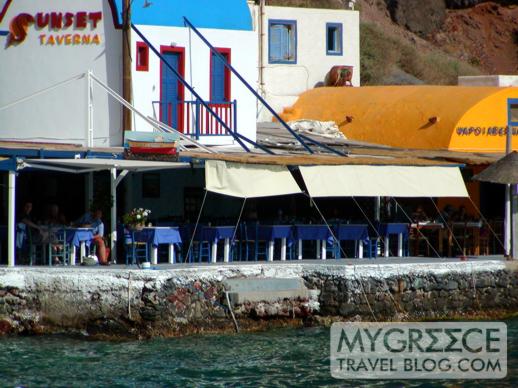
(110, 303)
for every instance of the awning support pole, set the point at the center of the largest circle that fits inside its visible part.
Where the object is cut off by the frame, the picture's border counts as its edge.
(90, 112)
(508, 217)
(114, 182)
(514, 218)
(11, 226)
(113, 193)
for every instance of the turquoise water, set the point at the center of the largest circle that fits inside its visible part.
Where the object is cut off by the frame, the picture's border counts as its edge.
(280, 358)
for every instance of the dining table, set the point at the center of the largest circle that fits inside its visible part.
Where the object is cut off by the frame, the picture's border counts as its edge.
(312, 232)
(400, 229)
(78, 238)
(351, 232)
(157, 235)
(213, 234)
(270, 233)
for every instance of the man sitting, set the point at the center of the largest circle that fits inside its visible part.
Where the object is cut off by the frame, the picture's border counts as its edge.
(92, 219)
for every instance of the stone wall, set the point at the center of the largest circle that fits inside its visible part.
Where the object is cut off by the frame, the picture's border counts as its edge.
(113, 303)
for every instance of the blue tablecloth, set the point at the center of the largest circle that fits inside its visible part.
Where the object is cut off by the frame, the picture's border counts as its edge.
(269, 232)
(214, 233)
(393, 228)
(74, 236)
(157, 236)
(311, 232)
(356, 232)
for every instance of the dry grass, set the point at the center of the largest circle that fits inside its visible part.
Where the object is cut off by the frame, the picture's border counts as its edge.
(381, 54)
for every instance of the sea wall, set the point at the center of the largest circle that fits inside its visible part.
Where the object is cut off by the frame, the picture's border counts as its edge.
(111, 303)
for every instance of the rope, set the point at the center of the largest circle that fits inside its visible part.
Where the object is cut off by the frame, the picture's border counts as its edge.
(370, 223)
(196, 225)
(421, 233)
(387, 291)
(328, 227)
(447, 226)
(365, 295)
(487, 223)
(74, 78)
(238, 221)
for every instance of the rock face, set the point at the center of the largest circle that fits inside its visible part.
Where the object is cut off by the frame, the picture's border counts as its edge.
(421, 17)
(122, 303)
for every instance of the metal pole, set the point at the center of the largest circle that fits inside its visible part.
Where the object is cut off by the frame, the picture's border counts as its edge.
(113, 221)
(508, 192)
(90, 113)
(126, 63)
(11, 223)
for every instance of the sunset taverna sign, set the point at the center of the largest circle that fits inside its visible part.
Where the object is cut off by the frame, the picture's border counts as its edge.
(64, 28)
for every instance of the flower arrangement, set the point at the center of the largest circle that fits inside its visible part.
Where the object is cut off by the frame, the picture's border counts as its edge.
(137, 216)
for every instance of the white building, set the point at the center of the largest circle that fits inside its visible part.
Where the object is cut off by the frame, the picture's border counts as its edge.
(488, 80)
(298, 47)
(227, 25)
(43, 43)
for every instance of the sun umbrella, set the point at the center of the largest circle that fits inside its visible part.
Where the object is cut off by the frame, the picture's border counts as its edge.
(503, 171)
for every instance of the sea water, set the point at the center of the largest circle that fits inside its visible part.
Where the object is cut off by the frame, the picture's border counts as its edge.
(278, 358)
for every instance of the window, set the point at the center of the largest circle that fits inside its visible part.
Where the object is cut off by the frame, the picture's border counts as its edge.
(150, 185)
(282, 42)
(513, 113)
(142, 57)
(219, 76)
(334, 39)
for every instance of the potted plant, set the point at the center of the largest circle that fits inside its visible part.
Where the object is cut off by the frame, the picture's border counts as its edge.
(136, 219)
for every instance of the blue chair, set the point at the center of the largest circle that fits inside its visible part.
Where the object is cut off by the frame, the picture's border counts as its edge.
(59, 249)
(204, 248)
(260, 247)
(135, 252)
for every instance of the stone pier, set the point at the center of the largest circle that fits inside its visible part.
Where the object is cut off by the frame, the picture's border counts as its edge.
(179, 300)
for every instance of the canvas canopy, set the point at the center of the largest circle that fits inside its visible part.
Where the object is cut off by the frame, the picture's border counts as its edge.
(90, 165)
(383, 181)
(248, 180)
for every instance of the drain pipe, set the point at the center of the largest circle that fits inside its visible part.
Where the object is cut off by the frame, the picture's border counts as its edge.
(260, 30)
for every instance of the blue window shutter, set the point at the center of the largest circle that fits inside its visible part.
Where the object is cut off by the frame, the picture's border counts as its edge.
(218, 80)
(276, 34)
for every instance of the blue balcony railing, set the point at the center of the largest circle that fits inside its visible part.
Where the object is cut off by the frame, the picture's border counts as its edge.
(192, 118)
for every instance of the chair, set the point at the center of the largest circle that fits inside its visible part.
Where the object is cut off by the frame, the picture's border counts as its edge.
(204, 248)
(136, 252)
(58, 247)
(260, 247)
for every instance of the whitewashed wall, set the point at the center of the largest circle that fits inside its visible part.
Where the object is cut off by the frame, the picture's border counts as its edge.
(59, 115)
(284, 82)
(243, 45)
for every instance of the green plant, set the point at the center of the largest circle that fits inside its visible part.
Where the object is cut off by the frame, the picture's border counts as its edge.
(136, 216)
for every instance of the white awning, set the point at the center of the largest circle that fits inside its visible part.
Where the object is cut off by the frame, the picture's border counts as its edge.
(383, 181)
(89, 165)
(248, 180)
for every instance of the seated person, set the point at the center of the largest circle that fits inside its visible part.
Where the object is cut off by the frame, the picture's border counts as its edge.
(93, 219)
(447, 214)
(419, 215)
(25, 227)
(55, 217)
(461, 215)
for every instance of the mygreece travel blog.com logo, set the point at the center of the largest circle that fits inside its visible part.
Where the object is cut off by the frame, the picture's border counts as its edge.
(428, 350)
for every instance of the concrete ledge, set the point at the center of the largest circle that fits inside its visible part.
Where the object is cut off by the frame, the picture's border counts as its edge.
(265, 290)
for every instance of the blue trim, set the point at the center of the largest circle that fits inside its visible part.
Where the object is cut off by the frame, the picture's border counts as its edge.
(4, 33)
(293, 24)
(511, 101)
(220, 14)
(339, 26)
(8, 164)
(53, 154)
